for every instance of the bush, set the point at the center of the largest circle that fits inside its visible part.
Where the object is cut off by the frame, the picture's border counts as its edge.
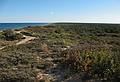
(2, 36)
(17, 75)
(27, 33)
(98, 63)
(19, 67)
(10, 35)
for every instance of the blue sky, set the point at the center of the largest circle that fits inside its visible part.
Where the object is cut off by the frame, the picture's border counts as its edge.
(106, 11)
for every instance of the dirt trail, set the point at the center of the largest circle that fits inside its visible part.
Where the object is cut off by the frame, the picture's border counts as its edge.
(27, 38)
(23, 41)
(2, 47)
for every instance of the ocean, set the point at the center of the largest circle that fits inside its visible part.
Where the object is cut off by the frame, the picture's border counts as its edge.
(4, 26)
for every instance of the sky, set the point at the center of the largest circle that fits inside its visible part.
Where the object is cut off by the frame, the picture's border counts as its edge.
(83, 11)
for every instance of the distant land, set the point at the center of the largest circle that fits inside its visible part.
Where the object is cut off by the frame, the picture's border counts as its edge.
(4, 26)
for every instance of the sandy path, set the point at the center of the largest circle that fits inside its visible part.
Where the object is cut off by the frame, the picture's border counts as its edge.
(2, 47)
(27, 38)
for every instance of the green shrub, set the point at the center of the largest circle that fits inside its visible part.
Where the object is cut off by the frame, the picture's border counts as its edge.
(93, 62)
(19, 67)
(27, 33)
(2, 36)
(17, 75)
(10, 35)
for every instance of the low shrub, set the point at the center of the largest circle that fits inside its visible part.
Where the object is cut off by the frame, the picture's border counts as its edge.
(10, 35)
(27, 33)
(98, 63)
(20, 67)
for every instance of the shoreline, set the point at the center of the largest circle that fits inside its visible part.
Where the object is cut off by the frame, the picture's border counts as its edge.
(5, 26)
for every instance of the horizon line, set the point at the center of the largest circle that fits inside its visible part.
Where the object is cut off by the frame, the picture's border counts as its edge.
(69, 22)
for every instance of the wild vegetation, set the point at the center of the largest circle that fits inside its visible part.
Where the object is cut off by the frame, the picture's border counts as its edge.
(60, 51)
(11, 35)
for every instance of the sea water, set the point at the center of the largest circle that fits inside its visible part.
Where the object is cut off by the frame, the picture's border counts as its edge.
(4, 26)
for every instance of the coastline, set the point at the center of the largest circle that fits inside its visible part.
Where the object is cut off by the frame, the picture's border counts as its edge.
(5, 26)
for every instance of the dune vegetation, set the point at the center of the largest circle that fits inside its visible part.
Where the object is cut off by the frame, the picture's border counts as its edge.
(61, 52)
